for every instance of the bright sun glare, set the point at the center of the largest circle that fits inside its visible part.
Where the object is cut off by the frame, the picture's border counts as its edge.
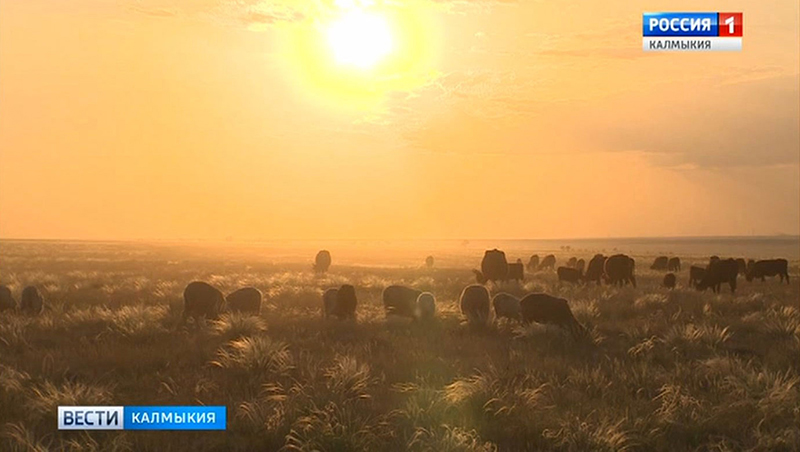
(360, 39)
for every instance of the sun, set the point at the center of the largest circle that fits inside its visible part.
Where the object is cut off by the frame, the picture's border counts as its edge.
(360, 39)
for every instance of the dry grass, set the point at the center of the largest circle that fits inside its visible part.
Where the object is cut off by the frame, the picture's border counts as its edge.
(661, 371)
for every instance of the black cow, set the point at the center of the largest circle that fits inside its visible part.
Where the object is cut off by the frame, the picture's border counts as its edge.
(494, 265)
(742, 264)
(771, 267)
(546, 309)
(572, 262)
(475, 304)
(400, 300)
(594, 272)
(619, 270)
(580, 265)
(246, 300)
(516, 272)
(696, 275)
(506, 306)
(570, 275)
(660, 263)
(533, 263)
(322, 262)
(718, 272)
(202, 300)
(674, 264)
(549, 261)
(7, 301)
(669, 281)
(346, 302)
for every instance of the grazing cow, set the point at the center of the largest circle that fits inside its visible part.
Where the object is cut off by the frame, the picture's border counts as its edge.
(475, 304)
(619, 270)
(742, 264)
(494, 265)
(674, 264)
(570, 275)
(516, 272)
(660, 263)
(696, 275)
(400, 301)
(32, 301)
(346, 302)
(429, 261)
(549, 261)
(533, 263)
(246, 300)
(713, 259)
(322, 262)
(572, 262)
(669, 281)
(201, 299)
(580, 265)
(7, 301)
(506, 306)
(771, 267)
(329, 302)
(718, 272)
(426, 305)
(594, 272)
(549, 310)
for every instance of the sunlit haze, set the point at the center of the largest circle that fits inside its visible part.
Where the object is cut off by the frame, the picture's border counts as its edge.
(178, 119)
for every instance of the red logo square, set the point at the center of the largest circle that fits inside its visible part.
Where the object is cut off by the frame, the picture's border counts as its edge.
(730, 24)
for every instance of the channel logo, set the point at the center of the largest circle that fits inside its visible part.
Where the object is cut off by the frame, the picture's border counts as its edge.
(142, 418)
(703, 32)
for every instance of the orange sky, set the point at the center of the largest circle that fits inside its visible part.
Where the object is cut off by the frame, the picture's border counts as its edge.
(183, 119)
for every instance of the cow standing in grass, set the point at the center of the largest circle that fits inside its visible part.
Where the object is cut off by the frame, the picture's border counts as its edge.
(669, 281)
(549, 261)
(494, 267)
(32, 301)
(7, 301)
(202, 300)
(246, 300)
(516, 272)
(506, 306)
(346, 302)
(674, 264)
(533, 263)
(696, 275)
(619, 270)
(660, 263)
(594, 272)
(475, 304)
(549, 310)
(322, 262)
(400, 301)
(426, 306)
(719, 272)
(771, 267)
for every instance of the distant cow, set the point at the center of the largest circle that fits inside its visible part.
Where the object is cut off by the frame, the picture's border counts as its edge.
(400, 301)
(572, 262)
(246, 300)
(660, 263)
(346, 302)
(580, 265)
(619, 270)
(506, 306)
(426, 305)
(570, 275)
(669, 281)
(718, 272)
(32, 301)
(549, 261)
(475, 304)
(696, 274)
(516, 272)
(201, 299)
(429, 261)
(674, 264)
(742, 264)
(533, 263)
(7, 301)
(546, 309)
(322, 262)
(772, 267)
(713, 259)
(329, 302)
(494, 265)
(594, 272)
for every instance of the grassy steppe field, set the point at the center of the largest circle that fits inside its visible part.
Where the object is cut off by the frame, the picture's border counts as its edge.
(664, 370)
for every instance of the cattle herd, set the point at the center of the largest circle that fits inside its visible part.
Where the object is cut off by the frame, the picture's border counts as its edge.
(201, 300)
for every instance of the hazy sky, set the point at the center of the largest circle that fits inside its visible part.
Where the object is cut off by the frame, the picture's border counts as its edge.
(494, 119)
